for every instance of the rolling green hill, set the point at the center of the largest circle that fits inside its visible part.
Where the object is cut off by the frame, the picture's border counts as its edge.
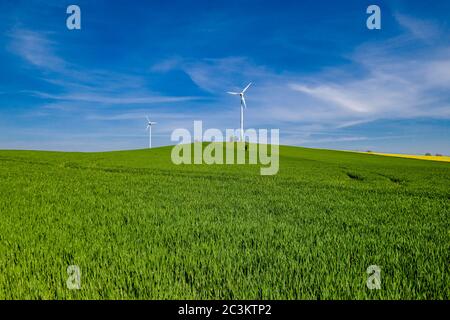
(139, 226)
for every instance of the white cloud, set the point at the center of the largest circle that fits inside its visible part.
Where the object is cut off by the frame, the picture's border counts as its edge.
(80, 84)
(335, 95)
(139, 115)
(215, 75)
(394, 87)
(36, 49)
(421, 29)
(112, 100)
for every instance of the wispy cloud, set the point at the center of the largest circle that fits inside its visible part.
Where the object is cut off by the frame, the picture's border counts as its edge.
(418, 28)
(334, 94)
(395, 88)
(215, 75)
(112, 100)
(36, 49)
(105, 87)
(140, 115)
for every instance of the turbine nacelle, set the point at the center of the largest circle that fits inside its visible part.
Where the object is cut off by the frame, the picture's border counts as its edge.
(150, 123)
(241, 94)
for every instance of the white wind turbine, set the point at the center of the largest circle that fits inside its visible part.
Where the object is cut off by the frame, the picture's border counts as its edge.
(149, 128)
(243, 105)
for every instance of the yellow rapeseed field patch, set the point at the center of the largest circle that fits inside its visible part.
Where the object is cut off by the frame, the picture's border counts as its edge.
(412, 156)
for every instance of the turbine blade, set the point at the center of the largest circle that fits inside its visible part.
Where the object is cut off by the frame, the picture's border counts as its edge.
(243, 91)
(233, 92)
(243, 102)
(148, 120)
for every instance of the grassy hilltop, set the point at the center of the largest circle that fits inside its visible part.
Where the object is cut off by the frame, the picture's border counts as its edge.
(139, 226)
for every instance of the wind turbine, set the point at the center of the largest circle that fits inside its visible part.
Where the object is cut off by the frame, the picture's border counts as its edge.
(243, 105)
(149, 128)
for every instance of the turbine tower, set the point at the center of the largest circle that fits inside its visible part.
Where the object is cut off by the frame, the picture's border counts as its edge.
(149, 128)
(243, 105)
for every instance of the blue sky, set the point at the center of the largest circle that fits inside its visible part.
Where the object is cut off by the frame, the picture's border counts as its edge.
(319, 74)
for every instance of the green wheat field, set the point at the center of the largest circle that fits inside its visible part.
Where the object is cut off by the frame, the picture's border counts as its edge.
(140, 227)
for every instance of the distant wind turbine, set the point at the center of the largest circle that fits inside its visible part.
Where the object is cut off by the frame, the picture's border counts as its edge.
(149, 128)
(243, 105)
